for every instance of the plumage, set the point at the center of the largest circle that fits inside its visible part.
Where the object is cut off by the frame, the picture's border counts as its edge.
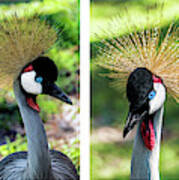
(14, 167)
(145, 163)
(28, 83)
(22, 39)
(139, 85)
(122, 55)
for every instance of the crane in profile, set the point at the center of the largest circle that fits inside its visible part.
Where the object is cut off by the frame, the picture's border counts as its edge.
(23, 41)
(145, 61)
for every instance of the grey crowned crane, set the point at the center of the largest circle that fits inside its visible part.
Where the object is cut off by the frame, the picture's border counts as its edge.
(32, 75)
(146, 94)
(148, 67)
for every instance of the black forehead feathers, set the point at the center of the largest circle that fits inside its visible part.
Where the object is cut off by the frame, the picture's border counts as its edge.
(46, 68)
(140, 83)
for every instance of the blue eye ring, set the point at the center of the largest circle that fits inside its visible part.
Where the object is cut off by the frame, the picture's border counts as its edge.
(39, 79)
(151, 94)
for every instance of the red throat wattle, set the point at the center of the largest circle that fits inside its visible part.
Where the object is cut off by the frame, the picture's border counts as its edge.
(32, 103)
(148, 135)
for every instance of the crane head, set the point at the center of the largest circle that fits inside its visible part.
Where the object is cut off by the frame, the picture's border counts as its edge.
(146, 94)
(38, 77)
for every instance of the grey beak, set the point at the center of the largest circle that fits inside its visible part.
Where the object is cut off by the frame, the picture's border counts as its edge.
(54, 91)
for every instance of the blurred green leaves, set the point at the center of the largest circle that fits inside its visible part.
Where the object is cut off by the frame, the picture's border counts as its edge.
(130, 12)
(19, 145)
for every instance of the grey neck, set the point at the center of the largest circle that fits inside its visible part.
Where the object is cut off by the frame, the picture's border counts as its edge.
(145, 163)
(38, 162)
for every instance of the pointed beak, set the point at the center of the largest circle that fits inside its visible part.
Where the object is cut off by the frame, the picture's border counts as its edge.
(132, 119)
(54, 91)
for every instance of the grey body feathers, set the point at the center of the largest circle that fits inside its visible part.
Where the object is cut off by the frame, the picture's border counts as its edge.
(14, 167)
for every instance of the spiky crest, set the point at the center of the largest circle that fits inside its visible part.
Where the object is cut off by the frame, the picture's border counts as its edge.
(22, 39)
(142, 48)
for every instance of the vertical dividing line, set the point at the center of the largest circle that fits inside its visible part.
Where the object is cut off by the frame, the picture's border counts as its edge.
(84, 90)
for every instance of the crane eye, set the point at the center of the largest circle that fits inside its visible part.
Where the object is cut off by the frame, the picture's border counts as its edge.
(39, 79)
(151, 95)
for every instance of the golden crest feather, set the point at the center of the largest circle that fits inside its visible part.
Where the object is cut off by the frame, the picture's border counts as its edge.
(22, 39)
(144, 48)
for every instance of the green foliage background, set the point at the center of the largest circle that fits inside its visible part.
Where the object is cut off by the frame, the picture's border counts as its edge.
(63, 16)
(111, 160)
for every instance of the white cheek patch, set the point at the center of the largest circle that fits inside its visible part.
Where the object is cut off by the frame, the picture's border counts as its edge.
(29, 84)
(157, 102)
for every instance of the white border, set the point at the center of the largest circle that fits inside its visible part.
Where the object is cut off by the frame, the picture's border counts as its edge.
(84, 90)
